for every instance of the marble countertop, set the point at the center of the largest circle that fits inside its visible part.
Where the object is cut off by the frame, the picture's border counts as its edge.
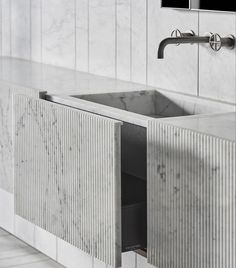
(57, 80)
(221, 125)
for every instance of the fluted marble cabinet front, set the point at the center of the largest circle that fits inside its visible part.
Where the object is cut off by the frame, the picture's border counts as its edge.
(7, 91)
(68, 181)
(68, 175)
(191, 198)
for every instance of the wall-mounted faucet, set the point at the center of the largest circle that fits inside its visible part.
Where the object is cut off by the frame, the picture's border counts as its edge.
(215, 40)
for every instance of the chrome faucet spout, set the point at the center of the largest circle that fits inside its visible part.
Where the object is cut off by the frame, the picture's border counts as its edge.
(180, 40)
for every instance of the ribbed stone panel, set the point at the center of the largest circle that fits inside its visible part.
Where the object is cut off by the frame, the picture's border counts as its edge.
(67, 175)
(191, 199)
(7, 92)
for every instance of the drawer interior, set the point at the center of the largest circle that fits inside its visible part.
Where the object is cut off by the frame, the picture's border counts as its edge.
(134, 213)
(133, 187)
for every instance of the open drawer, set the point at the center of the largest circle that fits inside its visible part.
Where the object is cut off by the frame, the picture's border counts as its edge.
(68, 179)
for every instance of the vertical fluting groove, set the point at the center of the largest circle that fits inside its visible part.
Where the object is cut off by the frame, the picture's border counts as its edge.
(68, 176)
(191, 198)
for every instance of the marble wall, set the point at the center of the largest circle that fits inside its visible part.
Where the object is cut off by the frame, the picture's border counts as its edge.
(119, 38)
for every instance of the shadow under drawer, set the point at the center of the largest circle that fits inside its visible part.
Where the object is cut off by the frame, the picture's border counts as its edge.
(134, 213)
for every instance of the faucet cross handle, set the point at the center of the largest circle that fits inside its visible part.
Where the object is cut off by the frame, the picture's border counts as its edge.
(177, 33)
(217, 42)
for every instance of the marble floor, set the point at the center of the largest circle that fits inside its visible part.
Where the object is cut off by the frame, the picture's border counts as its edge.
(15, 253)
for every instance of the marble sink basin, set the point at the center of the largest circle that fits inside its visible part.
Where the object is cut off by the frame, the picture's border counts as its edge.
(138, 106)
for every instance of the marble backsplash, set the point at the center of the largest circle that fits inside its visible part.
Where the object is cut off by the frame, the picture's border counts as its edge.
(119, 38)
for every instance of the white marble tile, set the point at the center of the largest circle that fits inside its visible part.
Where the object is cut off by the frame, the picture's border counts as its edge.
(6, 28)
(82, 35)
(129, 259)
(7, 211)
(58, 32)
(217, 69)
(139, 41)
(9, 244)
(25, 230)
(44, 264)
(3, 232)
(22, 260)
(46, 242)
(36, 30)
(17, 251)
(142, 262)
(98, 264)
(102, 37)
(179, 70)
(123, 39)
(72, 257)
(20, 29)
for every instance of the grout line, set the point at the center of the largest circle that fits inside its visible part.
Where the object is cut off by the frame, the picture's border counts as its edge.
(116, 52)
(75, 33)
(57, 249)
(147, 36)
(198, 60)
(35, 253)
(235, 65)
(10, 22)
(30, 31)
(75, 22)
(34, 262)
(1, 27)
(131, 41)
(88, 32)
(41, 31)
(34, 239)
(136, 260)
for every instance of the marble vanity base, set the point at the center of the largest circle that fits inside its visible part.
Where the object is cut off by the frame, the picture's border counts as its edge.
(50, 245)
(192, 191)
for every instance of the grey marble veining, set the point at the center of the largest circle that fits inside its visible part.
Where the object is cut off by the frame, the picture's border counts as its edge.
(158, 103)
(137, 107)
(191, 198)
(67, 175)
(7, 92)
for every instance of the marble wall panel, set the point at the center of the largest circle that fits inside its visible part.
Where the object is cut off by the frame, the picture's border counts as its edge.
(217, 69)
(20, 29)
(102, 37)
(82, 35)
(58, 32)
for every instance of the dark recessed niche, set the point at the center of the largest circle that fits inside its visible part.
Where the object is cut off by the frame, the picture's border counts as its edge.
(215, 5)
(228, 6)
(176, 3)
